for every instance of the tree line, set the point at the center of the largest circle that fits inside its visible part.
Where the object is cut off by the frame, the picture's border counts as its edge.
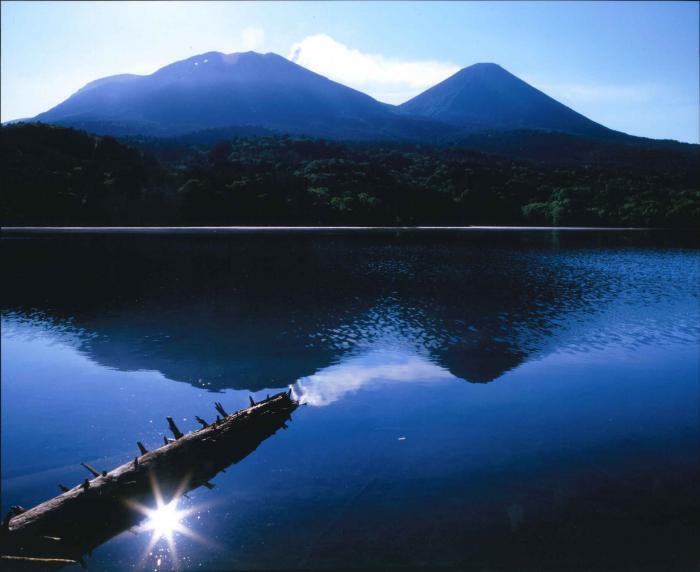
(60, 176)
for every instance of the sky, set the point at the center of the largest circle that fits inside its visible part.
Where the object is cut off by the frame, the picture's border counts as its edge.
(632, 66)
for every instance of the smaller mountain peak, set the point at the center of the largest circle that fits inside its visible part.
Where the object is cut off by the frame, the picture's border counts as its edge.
(483, 67)
(484, 72)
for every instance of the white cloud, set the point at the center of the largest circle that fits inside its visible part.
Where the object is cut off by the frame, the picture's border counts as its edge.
(252, 38)
(372, 368)
(386, 79)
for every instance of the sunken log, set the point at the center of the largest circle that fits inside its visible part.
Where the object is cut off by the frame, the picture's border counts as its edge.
(71, 525)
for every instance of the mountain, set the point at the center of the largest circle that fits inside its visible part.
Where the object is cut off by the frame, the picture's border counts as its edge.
(216, 90)
(481, 107)
(485, 97)
(270, 93)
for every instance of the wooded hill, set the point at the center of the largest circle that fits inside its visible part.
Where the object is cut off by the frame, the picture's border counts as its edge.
(60, 176)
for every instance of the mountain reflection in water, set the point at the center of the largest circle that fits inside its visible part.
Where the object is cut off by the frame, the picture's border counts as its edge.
(253, 312)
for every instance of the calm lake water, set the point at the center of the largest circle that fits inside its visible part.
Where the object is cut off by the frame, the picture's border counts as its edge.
(474, 400)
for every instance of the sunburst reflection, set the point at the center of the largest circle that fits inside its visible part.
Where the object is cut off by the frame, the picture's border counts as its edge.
(165, 521)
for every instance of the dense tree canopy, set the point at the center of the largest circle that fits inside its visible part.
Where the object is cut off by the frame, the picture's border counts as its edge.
(58, 176)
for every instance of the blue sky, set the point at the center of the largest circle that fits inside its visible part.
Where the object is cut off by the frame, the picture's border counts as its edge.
(632, 66)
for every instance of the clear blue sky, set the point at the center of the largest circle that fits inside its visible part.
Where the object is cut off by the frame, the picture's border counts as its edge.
(631, 66)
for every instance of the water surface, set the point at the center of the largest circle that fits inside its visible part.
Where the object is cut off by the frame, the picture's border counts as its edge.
(475, 400)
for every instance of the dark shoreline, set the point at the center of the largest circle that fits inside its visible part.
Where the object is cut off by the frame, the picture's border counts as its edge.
(245, 229)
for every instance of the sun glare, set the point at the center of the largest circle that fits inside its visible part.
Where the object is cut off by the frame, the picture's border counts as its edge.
(165, 520)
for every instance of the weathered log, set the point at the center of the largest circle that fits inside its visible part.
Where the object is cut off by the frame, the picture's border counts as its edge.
(14, 511)
(87, 515)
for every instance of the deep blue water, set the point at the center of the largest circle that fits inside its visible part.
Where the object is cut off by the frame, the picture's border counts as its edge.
(474, 400)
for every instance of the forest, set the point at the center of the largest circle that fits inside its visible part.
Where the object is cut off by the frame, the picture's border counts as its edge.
(65, 177)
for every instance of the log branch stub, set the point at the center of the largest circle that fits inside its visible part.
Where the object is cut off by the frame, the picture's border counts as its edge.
(93, 470)
(201, 421)
(252, 401)
(173, 428)
(63, 488)
(141, 447)
(220, 409)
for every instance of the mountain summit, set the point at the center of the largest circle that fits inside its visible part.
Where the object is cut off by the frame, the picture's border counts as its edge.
(486, 96)
(215, 90)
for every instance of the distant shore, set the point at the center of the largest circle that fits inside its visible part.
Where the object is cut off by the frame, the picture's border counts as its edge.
(243, 229)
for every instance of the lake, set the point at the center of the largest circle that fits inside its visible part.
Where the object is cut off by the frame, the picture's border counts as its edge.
(474, 399)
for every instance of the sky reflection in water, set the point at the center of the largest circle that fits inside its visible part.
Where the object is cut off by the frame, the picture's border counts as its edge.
(581, 352)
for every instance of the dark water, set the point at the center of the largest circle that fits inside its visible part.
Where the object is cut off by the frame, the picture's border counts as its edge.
(475, 400)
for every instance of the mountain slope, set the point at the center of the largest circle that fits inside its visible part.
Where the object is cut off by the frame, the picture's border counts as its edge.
(486, 96)
(215, 90)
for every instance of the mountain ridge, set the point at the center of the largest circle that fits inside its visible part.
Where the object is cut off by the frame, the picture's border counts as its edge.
(249, 89)
(214, 90)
